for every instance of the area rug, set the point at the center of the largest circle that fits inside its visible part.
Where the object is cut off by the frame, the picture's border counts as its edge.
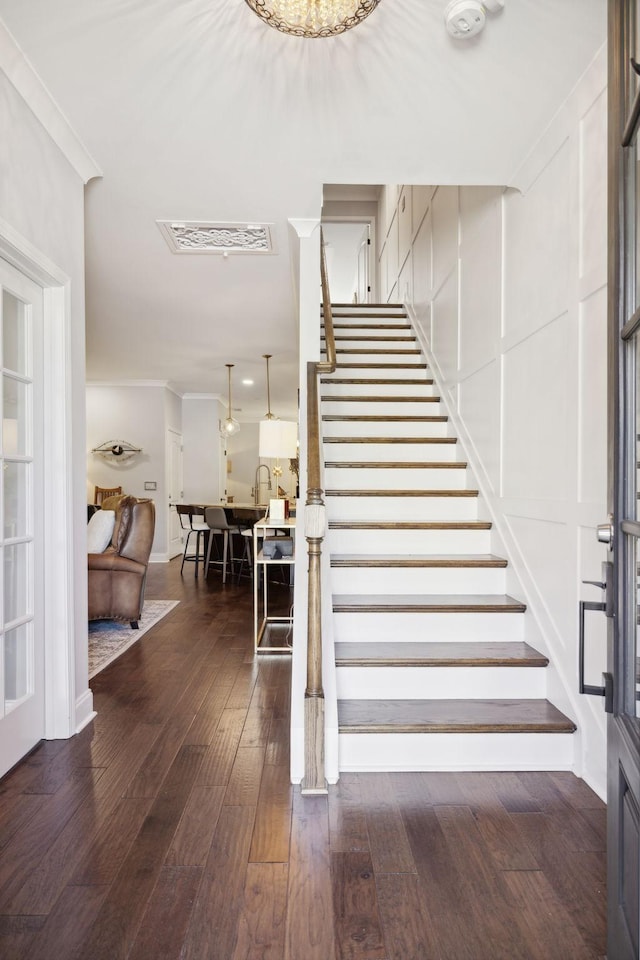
(108, 639)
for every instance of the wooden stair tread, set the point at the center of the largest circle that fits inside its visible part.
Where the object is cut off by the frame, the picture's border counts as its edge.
(381, 366)
(390, 439)
(367, 309)
(451, 716)
(394, 350)
(452, 654)
(397, 465)
(380, 418)
(371, 326)
(343, 313)
(372, 338)
(426, 603)
(369, 305)
(409, 525)
(401, 493)
(377, 381)
(417, 560)
(373, 398)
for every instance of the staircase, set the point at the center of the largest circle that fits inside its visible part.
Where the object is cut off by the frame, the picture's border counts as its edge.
(433, 671)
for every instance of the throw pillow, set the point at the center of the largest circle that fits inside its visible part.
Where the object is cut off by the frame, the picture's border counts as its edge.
(100, 530)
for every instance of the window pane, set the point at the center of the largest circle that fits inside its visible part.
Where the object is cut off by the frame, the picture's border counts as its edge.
(16, 488)
(637, 428)
(16, 581)
(14, 418)
(14, 334)
(17, 657)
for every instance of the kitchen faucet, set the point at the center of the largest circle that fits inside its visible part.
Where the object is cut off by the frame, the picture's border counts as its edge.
(256, 489)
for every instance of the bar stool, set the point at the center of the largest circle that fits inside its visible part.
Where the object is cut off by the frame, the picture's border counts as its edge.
(247, 551)
(188, 514)
(216, 521)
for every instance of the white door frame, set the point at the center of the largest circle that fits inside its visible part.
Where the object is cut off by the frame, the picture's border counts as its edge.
(58, 508)
(373, 273)
(175, 496)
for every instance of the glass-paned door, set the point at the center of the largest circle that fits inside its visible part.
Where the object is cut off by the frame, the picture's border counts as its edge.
(21, 451)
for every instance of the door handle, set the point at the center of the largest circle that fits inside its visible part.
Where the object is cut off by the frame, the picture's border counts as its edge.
(606, 607)
(606, 690)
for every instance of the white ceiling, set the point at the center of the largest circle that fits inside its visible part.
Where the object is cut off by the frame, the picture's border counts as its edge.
(196, 110)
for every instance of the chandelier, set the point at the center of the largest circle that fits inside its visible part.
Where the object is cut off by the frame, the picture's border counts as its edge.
(313, 18)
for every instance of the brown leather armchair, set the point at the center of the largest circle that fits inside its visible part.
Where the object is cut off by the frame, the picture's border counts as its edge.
(117, 576)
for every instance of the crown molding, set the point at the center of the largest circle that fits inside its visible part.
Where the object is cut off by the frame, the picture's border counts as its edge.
(28, 84)
(202, 396)
(132, 383)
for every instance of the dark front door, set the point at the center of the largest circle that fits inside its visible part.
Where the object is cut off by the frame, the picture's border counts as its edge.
(623, 532)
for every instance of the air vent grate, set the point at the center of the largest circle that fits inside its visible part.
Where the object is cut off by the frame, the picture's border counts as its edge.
(197, 236)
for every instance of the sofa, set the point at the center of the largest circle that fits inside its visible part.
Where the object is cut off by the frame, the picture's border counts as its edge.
(117, 575)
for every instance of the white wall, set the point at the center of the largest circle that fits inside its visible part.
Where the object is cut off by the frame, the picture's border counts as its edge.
(342, 246)
(508, 291)
(140, 415)
(43, 168)
(202, 449)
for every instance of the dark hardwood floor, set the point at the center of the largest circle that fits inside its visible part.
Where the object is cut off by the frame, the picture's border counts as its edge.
(168, 830)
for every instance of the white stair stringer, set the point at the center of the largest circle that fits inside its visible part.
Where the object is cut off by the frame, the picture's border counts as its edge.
(412, 569)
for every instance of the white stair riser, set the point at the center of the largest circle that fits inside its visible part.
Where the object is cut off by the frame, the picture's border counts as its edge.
(456, 751)
(392, 452)
(376, 372)
(389, 408)
(358, 336)
(377, 389)
(354, 342)
(441, 683)
(434, 627)
(395, 478)
(380, 356)
(403, 580)
(401, 508)
(409, 541)
(370, 328)
(384, 428)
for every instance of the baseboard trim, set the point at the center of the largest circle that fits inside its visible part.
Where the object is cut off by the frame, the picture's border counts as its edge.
(159, 558)
(84, 710)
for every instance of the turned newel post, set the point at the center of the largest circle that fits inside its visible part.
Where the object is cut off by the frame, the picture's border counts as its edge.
(314, 781)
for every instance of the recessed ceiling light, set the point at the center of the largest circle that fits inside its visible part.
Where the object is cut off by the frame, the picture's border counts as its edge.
(248, 383)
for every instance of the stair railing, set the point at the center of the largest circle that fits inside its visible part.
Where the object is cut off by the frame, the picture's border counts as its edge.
(314, 780)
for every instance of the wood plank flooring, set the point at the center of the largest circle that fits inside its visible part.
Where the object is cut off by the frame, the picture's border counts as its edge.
(168, 830)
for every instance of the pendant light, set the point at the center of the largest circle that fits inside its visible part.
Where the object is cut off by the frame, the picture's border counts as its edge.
(268, 415)
(230, 426)
(277, 438)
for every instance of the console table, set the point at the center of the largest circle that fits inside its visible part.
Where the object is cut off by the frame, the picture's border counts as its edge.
(271, 634)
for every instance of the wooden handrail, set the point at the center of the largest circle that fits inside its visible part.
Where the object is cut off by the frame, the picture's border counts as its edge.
(314, 780)
(329, 365)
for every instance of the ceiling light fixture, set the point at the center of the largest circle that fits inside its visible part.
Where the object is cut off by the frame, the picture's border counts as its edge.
(230, 426)
(313, 18)
(466, 18)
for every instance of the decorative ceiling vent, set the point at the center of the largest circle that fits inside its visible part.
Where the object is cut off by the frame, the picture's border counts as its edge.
(194, 236)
